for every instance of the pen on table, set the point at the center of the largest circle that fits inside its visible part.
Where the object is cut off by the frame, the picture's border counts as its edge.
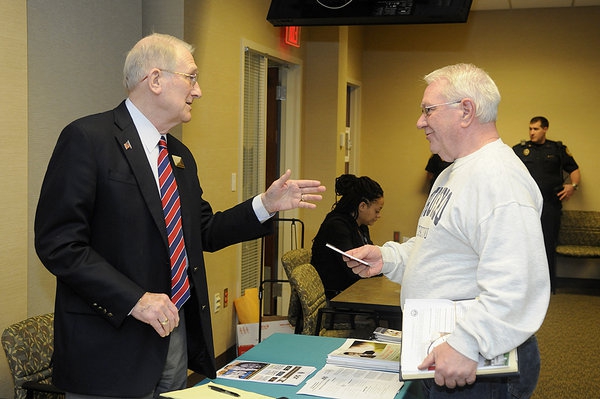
(225, 391)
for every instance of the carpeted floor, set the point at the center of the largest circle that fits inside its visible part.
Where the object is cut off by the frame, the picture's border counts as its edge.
(569, 343)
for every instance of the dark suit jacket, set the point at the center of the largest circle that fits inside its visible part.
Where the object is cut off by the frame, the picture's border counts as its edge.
(99, 228)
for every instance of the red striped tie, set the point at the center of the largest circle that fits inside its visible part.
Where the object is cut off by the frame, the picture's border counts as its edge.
(169, 196)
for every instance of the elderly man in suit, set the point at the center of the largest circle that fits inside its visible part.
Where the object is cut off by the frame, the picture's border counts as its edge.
(116, 241)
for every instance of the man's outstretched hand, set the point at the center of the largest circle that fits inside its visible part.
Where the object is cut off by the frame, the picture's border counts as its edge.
(285, 194)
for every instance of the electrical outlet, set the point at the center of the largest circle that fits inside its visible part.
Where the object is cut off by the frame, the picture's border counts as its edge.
(217, 302)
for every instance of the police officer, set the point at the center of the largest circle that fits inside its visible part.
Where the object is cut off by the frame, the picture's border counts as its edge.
(435, 166)
(547, 162)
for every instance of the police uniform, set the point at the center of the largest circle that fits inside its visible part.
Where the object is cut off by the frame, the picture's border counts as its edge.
(435, 166)
(547, 164)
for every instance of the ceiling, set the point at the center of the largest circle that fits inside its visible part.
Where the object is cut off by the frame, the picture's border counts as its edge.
(480, 5)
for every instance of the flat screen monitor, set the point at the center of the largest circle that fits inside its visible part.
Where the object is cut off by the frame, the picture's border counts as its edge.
(366, 12)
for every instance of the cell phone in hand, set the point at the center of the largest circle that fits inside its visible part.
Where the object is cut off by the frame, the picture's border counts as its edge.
(346, 254)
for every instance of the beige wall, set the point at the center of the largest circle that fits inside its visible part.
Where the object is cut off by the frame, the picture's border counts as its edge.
(321, 155)
(219, 30)
(545, 62)
(13, 179)
(57, 72)
(66, 82)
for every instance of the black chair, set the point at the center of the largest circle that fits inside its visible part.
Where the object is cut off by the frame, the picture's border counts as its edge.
(311, 293)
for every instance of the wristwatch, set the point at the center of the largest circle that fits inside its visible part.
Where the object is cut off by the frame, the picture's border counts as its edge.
(575, 186)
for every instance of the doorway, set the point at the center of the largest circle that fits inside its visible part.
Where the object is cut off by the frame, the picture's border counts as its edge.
(274, 98)
(351, 134)
(270, 146)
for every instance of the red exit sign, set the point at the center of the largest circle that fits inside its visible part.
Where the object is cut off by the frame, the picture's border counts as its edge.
(292, 36)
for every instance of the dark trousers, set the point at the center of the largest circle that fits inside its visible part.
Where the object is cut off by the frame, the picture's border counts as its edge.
(517, 387)
(550, 226)
(174, 376)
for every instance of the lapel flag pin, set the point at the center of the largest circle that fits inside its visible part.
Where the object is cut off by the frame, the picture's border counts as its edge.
(127, 145)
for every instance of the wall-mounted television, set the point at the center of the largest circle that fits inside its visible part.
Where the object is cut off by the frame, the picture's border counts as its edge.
(366, 12)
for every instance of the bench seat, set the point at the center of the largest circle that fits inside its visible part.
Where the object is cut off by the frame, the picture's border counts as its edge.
(578, 247)
(578, 251)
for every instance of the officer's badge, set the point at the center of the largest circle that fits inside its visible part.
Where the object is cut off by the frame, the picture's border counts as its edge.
(526, 151)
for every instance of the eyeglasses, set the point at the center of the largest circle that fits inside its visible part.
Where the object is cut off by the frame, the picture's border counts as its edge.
(192, 77)
(426, 111)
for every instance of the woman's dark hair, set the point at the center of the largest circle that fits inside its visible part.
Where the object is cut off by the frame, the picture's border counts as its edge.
(353, 190)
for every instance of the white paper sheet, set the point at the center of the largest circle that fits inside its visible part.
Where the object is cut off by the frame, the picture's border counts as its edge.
(344, 382)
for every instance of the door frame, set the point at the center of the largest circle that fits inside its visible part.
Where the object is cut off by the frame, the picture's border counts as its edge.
(289, 152)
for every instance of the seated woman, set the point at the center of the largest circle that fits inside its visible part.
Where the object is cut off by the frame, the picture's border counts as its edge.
(346, 227)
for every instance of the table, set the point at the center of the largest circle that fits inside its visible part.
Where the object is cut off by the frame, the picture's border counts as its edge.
(376, 294)
(303, 350)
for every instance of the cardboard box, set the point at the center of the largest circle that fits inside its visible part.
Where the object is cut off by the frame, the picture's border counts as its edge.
(247, 334)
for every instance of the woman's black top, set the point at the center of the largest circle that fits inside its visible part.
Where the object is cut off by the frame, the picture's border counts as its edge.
(340, 230)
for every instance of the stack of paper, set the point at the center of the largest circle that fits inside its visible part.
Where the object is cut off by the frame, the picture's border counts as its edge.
(369, 355)
(383, 334)
(343, 382)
